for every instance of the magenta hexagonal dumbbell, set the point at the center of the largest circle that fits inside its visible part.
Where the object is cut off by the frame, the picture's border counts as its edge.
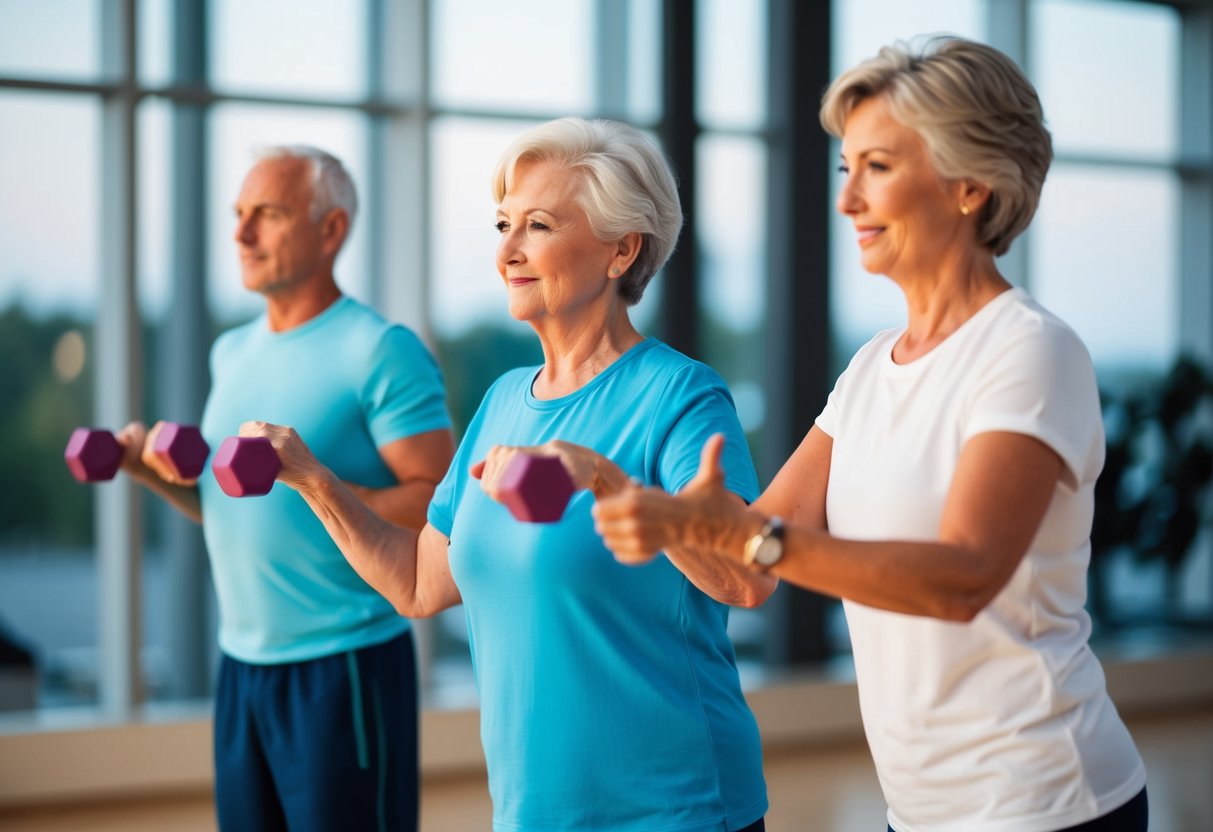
(182, 448)
(93, 455)
(246, 466)
(536, 489)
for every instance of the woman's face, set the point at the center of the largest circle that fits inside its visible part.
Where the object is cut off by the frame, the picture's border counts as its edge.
(551, 262)
(905, 214)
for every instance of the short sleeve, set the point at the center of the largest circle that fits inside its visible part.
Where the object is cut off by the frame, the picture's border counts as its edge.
(1043, 385)
(403, 394)
(695, 405)
(831, 415)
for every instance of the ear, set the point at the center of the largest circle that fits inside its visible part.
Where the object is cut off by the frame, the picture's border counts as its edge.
(973, 195)
(627, 249)
(333, 229)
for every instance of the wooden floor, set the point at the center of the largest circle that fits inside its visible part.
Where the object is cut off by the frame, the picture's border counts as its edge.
(826, 788)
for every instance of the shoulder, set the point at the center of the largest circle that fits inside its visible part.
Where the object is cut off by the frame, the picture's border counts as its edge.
(662, 364)
(1025, 327)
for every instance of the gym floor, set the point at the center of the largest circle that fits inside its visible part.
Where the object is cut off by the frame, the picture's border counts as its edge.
(825, 788)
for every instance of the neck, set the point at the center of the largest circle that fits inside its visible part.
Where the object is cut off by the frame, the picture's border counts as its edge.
(940, 301)
(575, 349)
(288, 309)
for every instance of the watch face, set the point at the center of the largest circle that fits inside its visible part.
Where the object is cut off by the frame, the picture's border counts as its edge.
(769, 551)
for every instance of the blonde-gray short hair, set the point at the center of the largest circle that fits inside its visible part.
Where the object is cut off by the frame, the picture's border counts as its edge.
(626, 186)
(977, 113)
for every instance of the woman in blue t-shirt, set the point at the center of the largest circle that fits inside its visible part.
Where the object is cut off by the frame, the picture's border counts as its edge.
(609, 694)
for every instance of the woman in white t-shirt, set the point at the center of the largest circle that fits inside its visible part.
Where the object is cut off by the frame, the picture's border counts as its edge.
(945, 492)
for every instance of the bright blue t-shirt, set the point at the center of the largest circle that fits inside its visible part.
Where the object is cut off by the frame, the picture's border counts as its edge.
(609, 693)
(349, 382)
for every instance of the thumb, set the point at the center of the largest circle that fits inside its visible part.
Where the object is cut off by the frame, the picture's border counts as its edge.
(710, 472)
(477, 469)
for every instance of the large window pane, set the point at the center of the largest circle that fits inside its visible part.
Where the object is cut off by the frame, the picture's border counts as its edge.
(1108, 75)
(730, 70)
(298, 47)
(49, 277)
(496, 57)
(731, 233)
(643, 65)
(237, 130)
(155, 40)
(1104, 254)
(50, 39)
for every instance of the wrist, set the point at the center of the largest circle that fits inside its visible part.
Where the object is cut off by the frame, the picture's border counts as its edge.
(764, 548)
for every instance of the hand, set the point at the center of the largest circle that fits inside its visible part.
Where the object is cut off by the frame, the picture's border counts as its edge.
(587, 468)
(133, 439)
(637, 523)
(300, 468)
(139, 461)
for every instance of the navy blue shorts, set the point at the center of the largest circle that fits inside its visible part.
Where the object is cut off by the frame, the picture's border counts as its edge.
(326, 744)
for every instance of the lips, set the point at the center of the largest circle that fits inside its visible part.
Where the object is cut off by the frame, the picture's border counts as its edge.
(866, 234)
(521, 281)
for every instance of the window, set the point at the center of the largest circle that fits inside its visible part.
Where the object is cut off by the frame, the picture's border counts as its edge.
(50, 227)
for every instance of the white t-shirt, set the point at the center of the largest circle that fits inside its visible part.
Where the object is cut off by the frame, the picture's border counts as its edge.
(1002, 723)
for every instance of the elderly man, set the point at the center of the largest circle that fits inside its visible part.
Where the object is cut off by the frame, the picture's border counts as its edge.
(315, 711)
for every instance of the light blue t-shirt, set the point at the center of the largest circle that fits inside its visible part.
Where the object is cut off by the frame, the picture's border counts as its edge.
(609, 693)
(349, 382)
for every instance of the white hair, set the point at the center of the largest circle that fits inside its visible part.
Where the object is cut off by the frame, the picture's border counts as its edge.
(331, 184)
(626, 186)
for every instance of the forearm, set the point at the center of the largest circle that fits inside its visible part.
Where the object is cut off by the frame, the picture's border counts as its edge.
(721, 578)
(184, 498)
(404, 504)
(382, 553)
(936, 580)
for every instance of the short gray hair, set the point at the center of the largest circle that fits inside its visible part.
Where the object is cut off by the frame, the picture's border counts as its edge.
(332, 186)
(977, 113)
(626, 186)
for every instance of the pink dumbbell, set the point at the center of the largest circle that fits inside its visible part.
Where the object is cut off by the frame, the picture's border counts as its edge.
(246, 466)
(182, 448)
(536, 489)
(93, 455)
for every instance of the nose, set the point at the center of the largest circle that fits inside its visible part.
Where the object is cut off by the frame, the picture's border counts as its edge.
(848, 201)
(245, 233)
(509, 251)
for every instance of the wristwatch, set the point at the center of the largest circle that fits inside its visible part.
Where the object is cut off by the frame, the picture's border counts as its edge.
(765, 549)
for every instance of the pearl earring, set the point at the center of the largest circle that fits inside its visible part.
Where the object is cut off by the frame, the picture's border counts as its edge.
(964, 209)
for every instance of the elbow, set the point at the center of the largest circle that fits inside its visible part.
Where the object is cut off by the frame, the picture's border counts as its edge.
(756, 592)
(962, 607)
(410, 607)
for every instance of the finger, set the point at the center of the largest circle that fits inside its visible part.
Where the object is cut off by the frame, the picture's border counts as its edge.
(477, 469)
(254, 429)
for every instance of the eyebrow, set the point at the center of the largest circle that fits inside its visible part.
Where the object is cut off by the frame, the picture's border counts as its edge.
(278, 206)
(869, 151)
(528, 211)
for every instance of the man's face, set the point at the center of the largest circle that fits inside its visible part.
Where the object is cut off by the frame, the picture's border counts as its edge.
(280, 246)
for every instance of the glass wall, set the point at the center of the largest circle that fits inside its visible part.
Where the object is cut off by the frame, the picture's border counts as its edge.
(50, 227)
(449, 84)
